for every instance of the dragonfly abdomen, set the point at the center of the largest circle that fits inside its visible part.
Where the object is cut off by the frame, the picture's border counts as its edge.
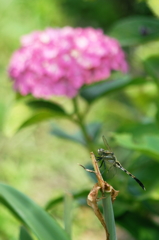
(140, 183)
(131, 175)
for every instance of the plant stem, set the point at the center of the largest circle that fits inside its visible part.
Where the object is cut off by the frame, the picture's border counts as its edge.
(157, 100)
(82, 126)
(109, 215)
(68, 206)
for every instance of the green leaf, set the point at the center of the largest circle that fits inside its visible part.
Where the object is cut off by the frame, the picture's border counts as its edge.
(24, 235)
(97, 90)
(151, 66)
(153, 4)
(16, 116)
(140, 227)
(74, 137)
(68, 209)
(41, 104)
(38, 117)
(33, 216)
(77, 196)
(22, 115)
(140, 129)
(93, 130)
(135, 30)
(147, 144)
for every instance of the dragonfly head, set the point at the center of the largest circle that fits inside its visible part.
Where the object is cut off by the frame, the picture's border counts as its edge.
(101, 151)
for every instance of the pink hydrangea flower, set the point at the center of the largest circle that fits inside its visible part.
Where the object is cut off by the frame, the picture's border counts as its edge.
(60, 61)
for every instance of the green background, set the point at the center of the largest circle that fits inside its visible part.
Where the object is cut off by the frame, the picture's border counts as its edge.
(45, 167)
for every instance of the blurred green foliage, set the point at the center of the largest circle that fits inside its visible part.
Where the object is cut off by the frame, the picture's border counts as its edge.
(126, 110)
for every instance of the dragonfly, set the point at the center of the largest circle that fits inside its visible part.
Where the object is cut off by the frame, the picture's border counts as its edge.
(109, 160)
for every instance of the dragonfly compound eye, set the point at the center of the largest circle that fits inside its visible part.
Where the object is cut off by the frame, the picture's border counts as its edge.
(100, 151)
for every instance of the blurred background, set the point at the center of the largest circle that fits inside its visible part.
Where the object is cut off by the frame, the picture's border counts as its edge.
(43, 166)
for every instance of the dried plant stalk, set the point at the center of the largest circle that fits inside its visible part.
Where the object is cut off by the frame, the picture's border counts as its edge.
(92, 202)
(108, 220)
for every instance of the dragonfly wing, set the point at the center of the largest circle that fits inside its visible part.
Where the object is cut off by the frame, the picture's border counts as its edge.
(110, 170)
(106, 143)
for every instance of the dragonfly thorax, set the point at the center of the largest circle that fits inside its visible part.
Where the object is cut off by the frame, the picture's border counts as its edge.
(101, 151)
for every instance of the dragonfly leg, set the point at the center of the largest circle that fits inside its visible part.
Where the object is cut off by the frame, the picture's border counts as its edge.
(104, 167)
(101, 164)
(98, 158)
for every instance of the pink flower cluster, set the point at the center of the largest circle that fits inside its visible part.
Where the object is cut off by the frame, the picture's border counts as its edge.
(60, 61)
